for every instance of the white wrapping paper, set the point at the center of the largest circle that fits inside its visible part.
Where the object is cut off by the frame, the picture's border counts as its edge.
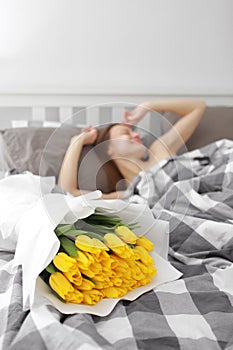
(38, 244)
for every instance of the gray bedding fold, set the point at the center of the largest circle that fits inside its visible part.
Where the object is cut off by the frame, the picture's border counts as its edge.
(6, 162)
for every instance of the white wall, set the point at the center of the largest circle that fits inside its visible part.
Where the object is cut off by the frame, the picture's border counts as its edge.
(116, 46)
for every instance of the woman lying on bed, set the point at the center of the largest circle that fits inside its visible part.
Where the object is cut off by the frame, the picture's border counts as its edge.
(124, 146)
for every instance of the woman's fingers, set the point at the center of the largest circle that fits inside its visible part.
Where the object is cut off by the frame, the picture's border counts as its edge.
(87, 128)
(127, 117)
(90, 135)
(131, 118)
(128, 114)
(134, 116)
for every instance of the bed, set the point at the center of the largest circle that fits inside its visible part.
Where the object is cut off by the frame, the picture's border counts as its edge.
(193, 192)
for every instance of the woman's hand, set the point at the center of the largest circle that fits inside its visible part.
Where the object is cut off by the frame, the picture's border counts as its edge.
(87, 136)
(136, 114)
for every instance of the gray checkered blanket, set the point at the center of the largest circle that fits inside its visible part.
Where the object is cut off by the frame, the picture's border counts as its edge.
(194, 193)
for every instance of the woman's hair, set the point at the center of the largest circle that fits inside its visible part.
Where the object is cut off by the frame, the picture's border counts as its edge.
(104, 134)
(108, 164)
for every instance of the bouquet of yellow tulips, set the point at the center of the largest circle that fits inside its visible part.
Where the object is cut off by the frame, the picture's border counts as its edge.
(99, 257)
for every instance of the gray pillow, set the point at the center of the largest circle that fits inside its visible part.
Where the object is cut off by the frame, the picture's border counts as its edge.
(41, 151)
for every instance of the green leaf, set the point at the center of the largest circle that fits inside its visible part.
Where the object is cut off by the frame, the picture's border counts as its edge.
(60, 230)
(94, 235)
(133, 225)
(101, 228)
(104, 219)
(51, 268)
(73, 233)
(69, 246)
(76, 233)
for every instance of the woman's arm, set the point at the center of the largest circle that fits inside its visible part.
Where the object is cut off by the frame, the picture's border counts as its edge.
(178, 106)
(190, 112)
(69, 169)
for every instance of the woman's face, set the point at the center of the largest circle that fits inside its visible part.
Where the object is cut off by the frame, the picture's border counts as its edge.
(124, 142)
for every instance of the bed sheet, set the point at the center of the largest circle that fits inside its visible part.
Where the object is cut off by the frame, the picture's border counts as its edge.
(194, 312)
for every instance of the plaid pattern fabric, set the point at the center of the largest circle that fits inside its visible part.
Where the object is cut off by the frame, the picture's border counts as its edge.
(194, 312)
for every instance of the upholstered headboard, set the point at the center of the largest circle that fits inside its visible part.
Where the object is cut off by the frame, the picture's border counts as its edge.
(31, 110)
(27, 149)
(216, 123)
(79, 110)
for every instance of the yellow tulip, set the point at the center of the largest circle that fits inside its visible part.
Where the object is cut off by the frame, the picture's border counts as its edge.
(96, 268)
(99, 277)
(128, 283)
(121, 271)
(82, 260)
(75, 297)
(99, 245)
(141, 266)
(60, 284)
(114, 292)
(115, 263)
(135, 270)
(126, 234)
(74, 276)
(121, 262)
(137, 274)
(145, 242)
(136, 284)
(145, 281)
(118, 246)
(103, 255)
(116, 280)
(64, 262)
(91, 297)
(125, 252)
(107, 264)
(136, 255)
(91, 245)
(86, 285)
(87, 272)
(144, 255)
(105, 284)
(91, 257)
(151, 270)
